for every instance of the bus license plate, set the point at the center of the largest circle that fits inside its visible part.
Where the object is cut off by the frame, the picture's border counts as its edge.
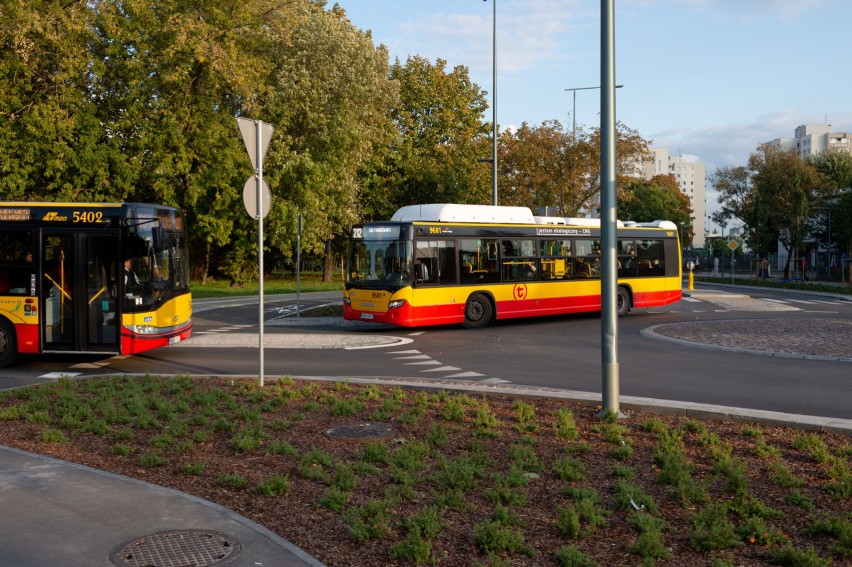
(174, 340)
(366, 315)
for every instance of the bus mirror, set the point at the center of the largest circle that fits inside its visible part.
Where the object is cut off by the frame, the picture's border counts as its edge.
(162, 239)
(135, 246)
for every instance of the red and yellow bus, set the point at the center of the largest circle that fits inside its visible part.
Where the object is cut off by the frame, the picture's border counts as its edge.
(442, 264)
(109, 278)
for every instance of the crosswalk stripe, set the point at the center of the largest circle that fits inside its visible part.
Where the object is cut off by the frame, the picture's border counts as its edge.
(57, 375)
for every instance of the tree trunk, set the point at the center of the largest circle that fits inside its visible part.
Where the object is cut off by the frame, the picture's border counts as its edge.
(206, 266)
(787, 263)
(328, 264)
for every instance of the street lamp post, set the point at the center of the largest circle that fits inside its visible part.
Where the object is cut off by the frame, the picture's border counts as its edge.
(574, 129)
(574, 109)
(494, 105)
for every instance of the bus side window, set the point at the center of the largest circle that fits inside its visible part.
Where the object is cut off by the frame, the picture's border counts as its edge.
(478, 259)
(626, 259)
(648, 256)
(447, 262)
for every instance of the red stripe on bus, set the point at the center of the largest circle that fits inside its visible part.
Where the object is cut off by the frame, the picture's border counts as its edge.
(134, 344)
(657, 298)
(27, 338)
(449, 314)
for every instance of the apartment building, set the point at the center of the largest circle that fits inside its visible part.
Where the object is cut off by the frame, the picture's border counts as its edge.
(811, 139)
(691, 177)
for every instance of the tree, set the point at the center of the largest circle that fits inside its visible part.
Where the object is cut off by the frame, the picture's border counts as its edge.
(659, 198)
(331, 103)
(836, 167)
(549, 166)
(739, 200)
(436, 157)
(535, 167)
(169, 78)
(52, 145)
(784, 188)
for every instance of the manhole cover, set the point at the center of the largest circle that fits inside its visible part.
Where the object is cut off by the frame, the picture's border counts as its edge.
(176, 549)
(361, 432)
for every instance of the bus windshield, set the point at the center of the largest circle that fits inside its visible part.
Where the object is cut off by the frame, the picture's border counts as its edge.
(156, 264)
(380, 263)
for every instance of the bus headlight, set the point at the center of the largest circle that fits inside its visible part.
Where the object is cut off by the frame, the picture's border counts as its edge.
(396, 303)
(347, 301)
(142, 329)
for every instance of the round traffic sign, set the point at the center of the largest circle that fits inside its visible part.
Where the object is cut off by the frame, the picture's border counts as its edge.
(250, 197)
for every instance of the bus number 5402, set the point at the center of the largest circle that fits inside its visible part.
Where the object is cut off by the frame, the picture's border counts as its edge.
(88, 216)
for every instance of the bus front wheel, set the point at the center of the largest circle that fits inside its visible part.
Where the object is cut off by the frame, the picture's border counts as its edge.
(8, 343)
(477, 311)
(623, 301)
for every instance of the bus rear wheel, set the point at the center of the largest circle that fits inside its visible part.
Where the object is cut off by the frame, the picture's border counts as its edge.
(477, 311)
(8, 344)
(623, 305)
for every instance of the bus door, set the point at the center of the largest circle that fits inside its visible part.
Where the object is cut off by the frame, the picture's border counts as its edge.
(79, 288)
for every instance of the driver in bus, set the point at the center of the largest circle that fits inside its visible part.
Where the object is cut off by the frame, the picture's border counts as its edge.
(132, 285)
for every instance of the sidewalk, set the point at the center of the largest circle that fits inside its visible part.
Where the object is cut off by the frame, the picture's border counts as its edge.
(66, 515)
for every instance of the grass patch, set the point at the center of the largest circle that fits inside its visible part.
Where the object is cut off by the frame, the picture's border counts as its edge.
(492, 479)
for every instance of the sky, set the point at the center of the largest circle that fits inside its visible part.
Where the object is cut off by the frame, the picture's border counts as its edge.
(710, 80)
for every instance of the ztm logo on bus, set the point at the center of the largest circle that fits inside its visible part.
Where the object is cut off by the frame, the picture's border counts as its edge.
(520, 291)
(54, 216)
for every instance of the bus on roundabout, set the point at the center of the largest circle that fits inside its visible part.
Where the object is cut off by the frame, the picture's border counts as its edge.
(444, 264)
(109, 278)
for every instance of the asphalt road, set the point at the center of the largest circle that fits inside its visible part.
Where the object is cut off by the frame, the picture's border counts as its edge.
(558, 352)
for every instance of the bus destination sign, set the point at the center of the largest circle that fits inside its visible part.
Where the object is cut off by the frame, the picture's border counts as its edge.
(14, 214)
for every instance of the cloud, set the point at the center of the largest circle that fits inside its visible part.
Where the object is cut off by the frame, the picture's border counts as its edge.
(730, 145)
(528, 32)
(745, 10)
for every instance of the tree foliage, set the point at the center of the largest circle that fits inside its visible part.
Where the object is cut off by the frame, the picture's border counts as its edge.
(133, 100)
(435, 157)
(331, 104)
(51, 143)
(537, 168)
(835, 210)
(773, 196)
(549, 166)
(659, 198)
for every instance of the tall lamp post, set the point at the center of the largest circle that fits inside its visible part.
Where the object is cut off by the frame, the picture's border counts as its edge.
(493, 103)
(574, 129)
(574, 109)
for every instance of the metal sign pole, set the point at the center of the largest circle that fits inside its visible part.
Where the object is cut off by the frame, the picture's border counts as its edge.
(298, 264)
(260, 247)
(256, 136)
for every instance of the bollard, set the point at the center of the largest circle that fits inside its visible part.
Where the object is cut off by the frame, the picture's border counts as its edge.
(691, 285)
